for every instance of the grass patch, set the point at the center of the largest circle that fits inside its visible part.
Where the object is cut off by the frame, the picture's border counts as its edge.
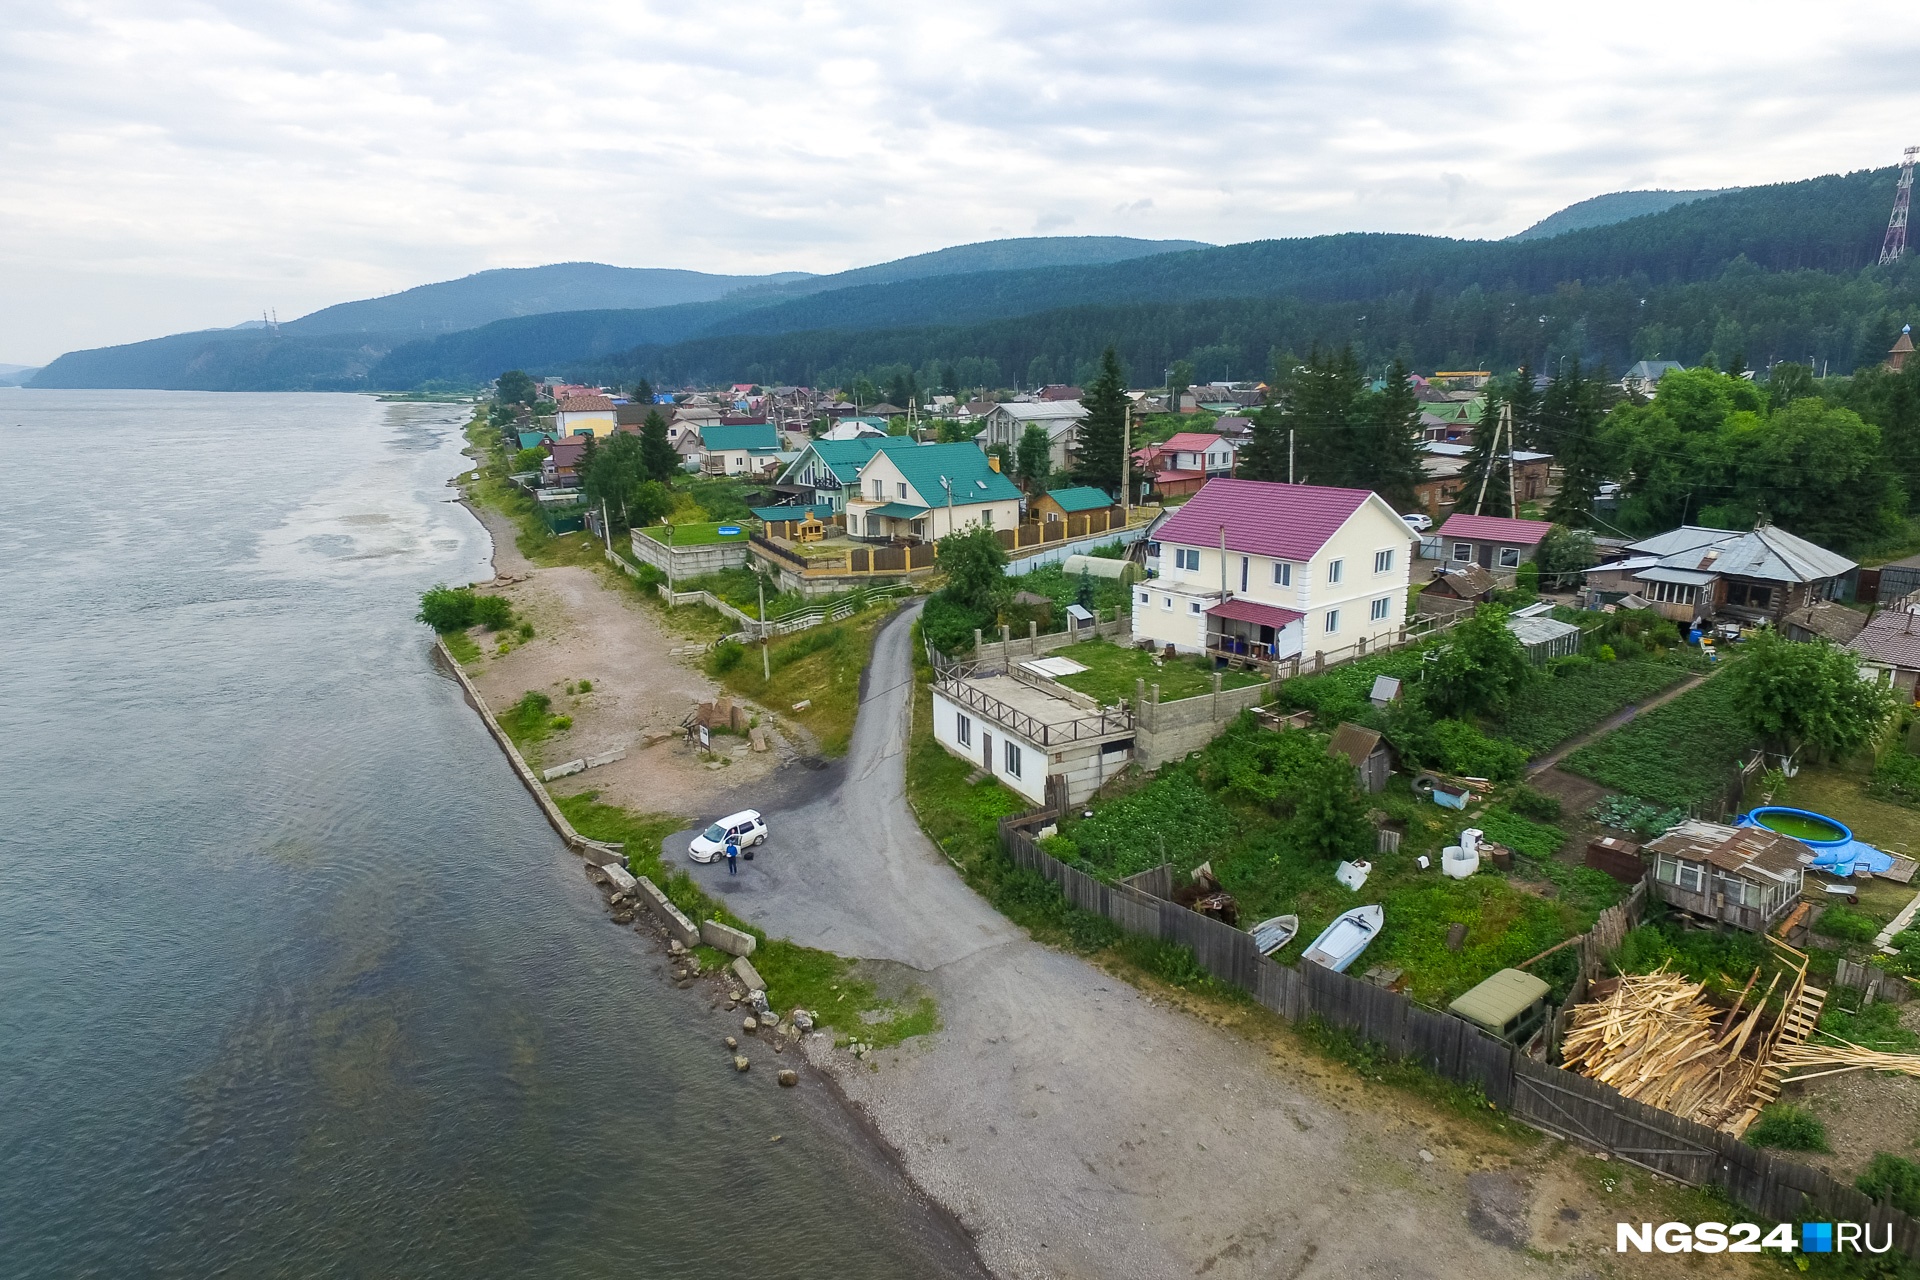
(461, 646)
(1873, 1026)
(820, 666)
(1678, 754)
(818, 981)
(694, 535)
(529, 720)
(1557, 706)
(1112, 670)
(1788, 1128)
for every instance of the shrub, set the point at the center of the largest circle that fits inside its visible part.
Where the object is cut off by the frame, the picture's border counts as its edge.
(586, 686)
(533, 705)
(725, 656)
(1892, 1181)
(1458, 748)
(525, 631)
(1537, 805)
(1846, 925)
(949, 625)
(1790, 1128)
(447, 608)
(1897, 779)
(561, 722)
(495, 613)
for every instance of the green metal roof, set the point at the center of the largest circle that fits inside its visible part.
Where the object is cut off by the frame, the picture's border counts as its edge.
(822, 511)
(1081, 497)
(759, 435)
(845, 457)
(1500, 999)
(962, 465)
(899, 511)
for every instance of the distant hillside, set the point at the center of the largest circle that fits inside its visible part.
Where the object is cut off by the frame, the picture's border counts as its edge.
(1615, 206)
(524, 291)
(12, 375)
(337, 346)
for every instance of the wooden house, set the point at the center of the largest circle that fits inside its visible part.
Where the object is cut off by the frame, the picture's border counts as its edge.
(1369, 753)
(1747, 877)
(1057, 504)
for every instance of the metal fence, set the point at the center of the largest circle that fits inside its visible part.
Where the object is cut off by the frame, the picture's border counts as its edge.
(1545, 1096)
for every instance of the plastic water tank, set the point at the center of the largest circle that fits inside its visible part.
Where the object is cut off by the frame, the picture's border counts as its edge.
(1458, 862)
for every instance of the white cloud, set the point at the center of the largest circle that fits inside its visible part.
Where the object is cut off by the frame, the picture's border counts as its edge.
(174, 164)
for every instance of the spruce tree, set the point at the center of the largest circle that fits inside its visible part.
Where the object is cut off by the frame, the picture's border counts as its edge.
(1103, 431)
(1391, 462)
(657, 457)
(1320, 411)
(1485, 464)
(1264, 456)
(1570, 417)
(1525, 400)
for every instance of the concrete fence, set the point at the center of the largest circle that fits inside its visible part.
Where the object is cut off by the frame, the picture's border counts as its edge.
(1007, 650)
(1544, 1096)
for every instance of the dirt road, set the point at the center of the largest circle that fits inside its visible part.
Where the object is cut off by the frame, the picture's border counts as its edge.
(1076, 1126)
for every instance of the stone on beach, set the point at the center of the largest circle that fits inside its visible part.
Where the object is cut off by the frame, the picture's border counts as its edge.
(788, 1077)
(740, 1063)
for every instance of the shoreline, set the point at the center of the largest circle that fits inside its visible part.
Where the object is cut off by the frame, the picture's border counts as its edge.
(946, 1234)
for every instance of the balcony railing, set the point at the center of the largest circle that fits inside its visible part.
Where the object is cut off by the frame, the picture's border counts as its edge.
(1058, 733)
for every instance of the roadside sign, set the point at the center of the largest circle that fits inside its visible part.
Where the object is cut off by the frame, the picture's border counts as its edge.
(706, 738)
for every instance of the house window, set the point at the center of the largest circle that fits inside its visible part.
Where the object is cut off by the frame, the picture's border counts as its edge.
(879, 490)
(1752, 597)
(1378, 610)
(1166, 602)
(1282, 574)
(903, 488)
(1463, 551)
(1013, 759)
(1383, 561)
(1509, 557)
(963, 730)
(1670, 593)
(1193, 606)
(1145, 598)
(986, 516)
(1333, 621)
(1243, 572)
(1334, 568)
(1186, 558)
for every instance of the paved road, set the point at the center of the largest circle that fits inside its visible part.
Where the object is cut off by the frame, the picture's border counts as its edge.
(1073, 1125)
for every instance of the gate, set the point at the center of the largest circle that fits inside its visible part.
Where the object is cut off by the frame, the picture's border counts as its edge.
(1579, 1109)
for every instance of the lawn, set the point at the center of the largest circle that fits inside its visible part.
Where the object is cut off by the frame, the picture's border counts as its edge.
(1063, 589)
(1112, 670)
(1557, 706)
(694, 535)
(740, 587)
(1679, 754)
(820, 665)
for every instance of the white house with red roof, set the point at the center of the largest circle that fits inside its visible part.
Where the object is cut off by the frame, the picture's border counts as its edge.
(1185, 461)
(1272, 571)
(1498, 543)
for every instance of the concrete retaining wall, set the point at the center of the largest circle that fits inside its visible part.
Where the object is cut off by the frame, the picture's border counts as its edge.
(1008, 649)
(678, 926)
(688, 562)
(1056, 553)
(724, 937)
(1169, 730)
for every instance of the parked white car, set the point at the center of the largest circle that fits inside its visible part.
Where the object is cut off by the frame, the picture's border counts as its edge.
(745, 828)
(1418, 522)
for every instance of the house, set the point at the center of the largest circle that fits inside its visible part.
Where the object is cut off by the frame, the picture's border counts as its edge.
(1235, 428)
(1006, 423)
(1451, 421)
(1445, 467)
(1492, 542)
(1185, 461)
(827, 468)
(1271, 571)
(631, 417)
(883, 411)
(1049, 743)
(1058, 391)
(928, 491)
(1747, 877)
(561, 470)
(1691, 574)
(1057, 504)
(855, 428)
(1824, 620)
(737, 450)
(1889, 647)
(1644, 378)
(584, 415)
(1367, 751)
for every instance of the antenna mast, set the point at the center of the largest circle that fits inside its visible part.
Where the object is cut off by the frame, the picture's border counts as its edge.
(1895, 244)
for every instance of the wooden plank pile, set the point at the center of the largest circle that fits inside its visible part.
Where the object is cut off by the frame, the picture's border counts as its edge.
(1656, 1039)
(1841, 1057)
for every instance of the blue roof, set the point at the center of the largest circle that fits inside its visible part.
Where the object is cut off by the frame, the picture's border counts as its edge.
(822, 511)
(759, 435)
(845, 457)
(900, 510)
(533, 439)
(962, 466)
(1081, 497)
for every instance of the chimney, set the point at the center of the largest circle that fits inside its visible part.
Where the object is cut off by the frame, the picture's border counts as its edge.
(993, 460)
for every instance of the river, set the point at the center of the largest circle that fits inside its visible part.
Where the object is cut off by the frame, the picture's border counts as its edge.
(294, 980)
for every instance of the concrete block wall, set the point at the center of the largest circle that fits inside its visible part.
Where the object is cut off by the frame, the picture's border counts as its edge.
(688, 562)
(1007, 647)
(1170, 730)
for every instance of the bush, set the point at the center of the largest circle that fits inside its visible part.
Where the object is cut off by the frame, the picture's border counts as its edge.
(525, 631)
(1892, 1181)
(533, 705)
(1458, 748)
(561, 722)
(1789, 1128)
(495, 613)
(1536, 805)
(949, 625)
(1846, 925)
(446, 608)
(1897, 779)
(725, 656)
(586, 686)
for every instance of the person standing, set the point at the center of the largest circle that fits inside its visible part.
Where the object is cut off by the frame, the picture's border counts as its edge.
(733, 856)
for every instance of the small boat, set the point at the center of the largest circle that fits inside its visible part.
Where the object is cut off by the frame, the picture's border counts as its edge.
(1271, 935)
(1345, 938)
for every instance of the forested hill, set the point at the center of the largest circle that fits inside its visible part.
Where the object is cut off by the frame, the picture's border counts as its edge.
(1604, 211)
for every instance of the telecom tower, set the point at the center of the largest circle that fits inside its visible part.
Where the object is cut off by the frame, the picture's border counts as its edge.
(1896, 242)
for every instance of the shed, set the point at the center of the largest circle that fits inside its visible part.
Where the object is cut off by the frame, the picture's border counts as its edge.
(1618, 858)
(1545, 638)
(1462, 582)
(1746, 876)
(1370, 755)
(1385, 689)
(1824, 620)
(1510, 1004)
(1058, 504)
(1901, 578)
(1079, 619)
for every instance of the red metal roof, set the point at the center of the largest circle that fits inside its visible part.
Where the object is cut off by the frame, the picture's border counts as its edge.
(1495, 529)
(1265, 615)
(1191, 442)
(1286, 521)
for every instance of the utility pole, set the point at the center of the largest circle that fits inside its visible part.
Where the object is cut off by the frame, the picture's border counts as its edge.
(766, 663)
(1223, 564)
(606, 529)
(1126, 465)
(1513, 494)
(1493, 460)
(1289, 455)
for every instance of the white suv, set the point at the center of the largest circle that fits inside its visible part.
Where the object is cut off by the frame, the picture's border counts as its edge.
(745, 828)
(1418, 522)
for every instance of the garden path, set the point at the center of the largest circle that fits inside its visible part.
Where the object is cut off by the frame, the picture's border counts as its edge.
(1624, 716)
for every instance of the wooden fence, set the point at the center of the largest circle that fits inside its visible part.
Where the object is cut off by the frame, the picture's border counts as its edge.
(1545, 1096)
(1037, 533)
(856, 560)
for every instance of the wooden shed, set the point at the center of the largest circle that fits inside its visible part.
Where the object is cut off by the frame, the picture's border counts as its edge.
(1747, 877)
(1369, 753)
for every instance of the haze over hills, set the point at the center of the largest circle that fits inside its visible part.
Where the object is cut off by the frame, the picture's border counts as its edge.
(1054, 298)
(1615, 206)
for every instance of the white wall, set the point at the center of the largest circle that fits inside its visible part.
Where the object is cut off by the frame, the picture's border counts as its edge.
(1032, 780)
(1163, 613)
(940, 519)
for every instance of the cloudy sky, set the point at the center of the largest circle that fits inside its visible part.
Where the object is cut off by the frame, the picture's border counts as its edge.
(174, 166)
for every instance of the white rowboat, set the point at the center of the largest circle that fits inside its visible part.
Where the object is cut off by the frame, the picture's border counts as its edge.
(1346, 938)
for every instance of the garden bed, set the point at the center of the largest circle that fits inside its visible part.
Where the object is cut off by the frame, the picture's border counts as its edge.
(1683, 753)
(1569, 702)
(694, 535)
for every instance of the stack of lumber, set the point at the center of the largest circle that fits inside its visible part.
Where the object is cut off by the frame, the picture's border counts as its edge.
(1656, 1039)
(1841, 1057)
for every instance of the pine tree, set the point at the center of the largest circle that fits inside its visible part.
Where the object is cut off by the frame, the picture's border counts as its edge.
(1265, 455)
(1320, 411)
(1391, 462)
(1525, 400)
(1103, 431)
(1570, 417)
(1486, 465)
(657, 458)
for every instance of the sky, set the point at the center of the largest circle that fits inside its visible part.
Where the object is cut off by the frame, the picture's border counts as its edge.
(173, 166)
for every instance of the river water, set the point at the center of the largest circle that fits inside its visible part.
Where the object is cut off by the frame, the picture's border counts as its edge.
(294, 980)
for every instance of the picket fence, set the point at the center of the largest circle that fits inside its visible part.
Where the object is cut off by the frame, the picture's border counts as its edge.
(1548, 1098)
